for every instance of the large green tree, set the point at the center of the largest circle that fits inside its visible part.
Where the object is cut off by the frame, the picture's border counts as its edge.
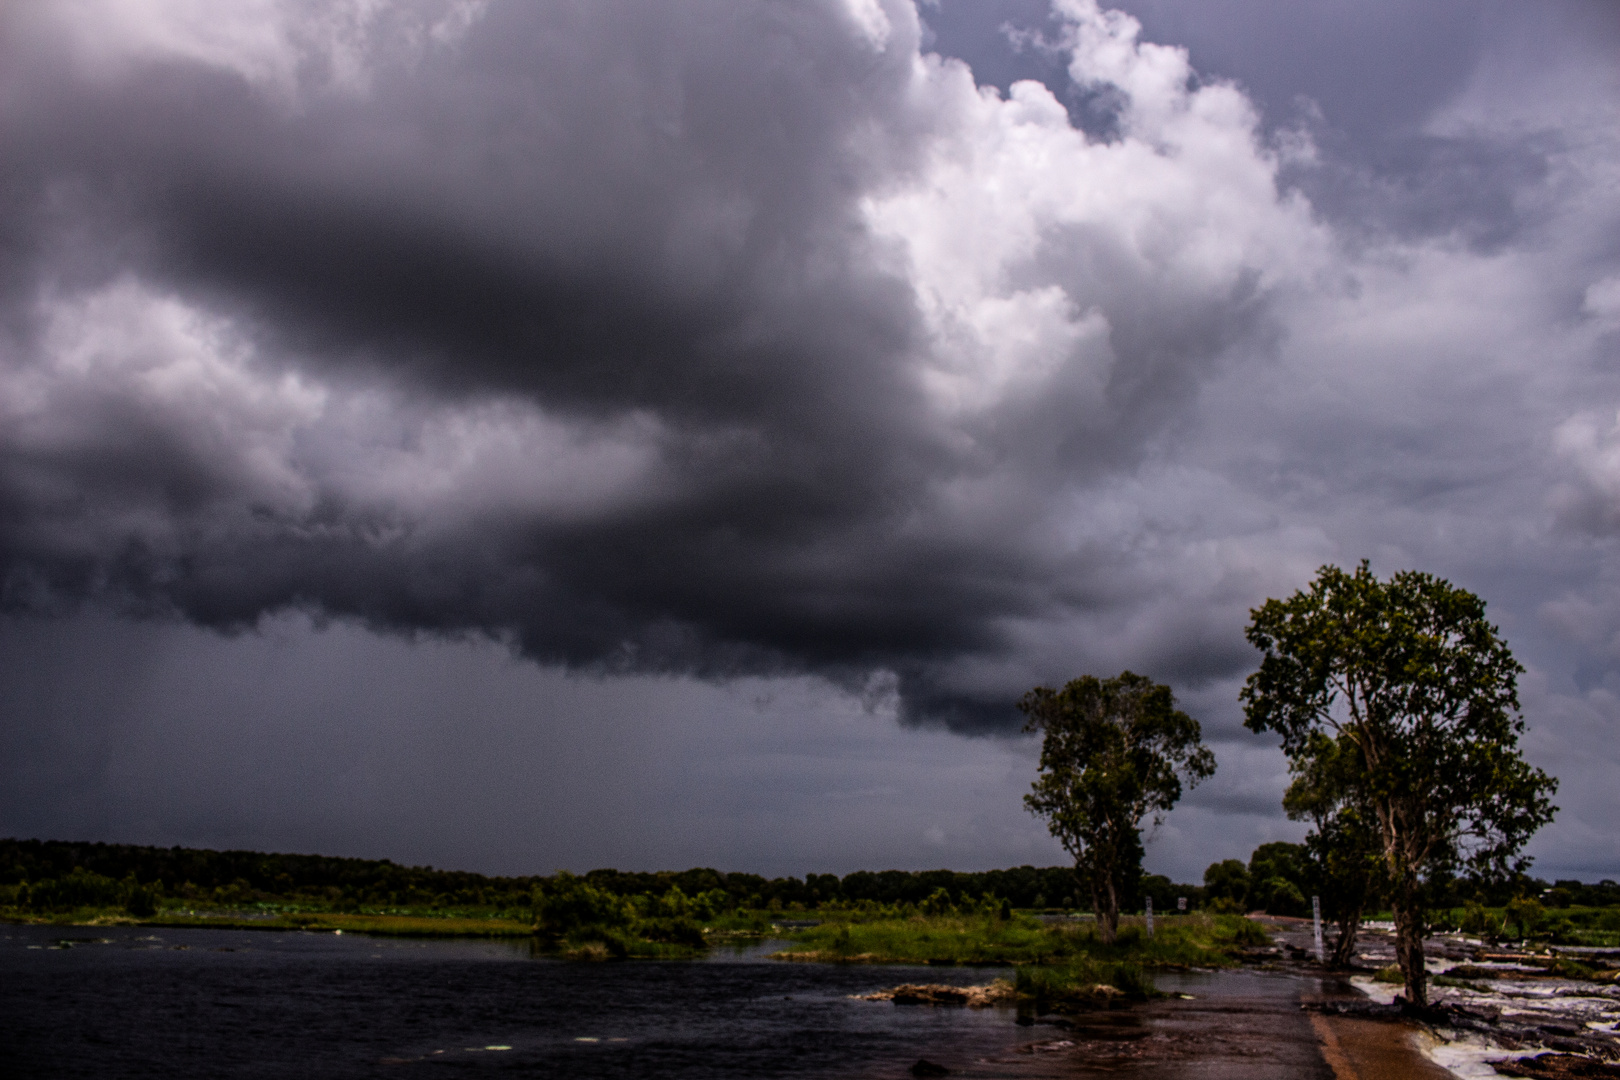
(1113, 752)
(1423, 694)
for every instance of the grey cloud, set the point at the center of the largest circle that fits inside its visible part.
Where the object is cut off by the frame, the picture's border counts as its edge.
(601, 216)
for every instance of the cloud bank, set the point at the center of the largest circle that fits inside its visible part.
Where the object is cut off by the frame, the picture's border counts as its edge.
(686, 341)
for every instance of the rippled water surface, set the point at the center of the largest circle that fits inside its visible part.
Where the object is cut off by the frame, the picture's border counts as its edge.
(128, 1002)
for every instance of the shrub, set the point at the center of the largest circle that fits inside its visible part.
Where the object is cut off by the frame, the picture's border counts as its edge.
(570, 907)
(676, 931)
(1476, 920)
(140, 900)
(75, 890)
(1526, 915)
(1279, 896)
(1227, 880)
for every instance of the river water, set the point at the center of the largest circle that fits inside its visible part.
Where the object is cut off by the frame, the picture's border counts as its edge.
(137, 1002)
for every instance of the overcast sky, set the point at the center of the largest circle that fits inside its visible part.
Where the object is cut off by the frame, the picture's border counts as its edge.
(513, 436)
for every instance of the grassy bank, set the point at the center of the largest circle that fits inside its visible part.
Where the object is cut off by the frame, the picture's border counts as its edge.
(1178, 941)
(384, 925)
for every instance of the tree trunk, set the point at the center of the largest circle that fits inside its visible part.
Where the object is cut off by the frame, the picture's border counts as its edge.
(1344, 950)
(1105, 901)
(1409, 950)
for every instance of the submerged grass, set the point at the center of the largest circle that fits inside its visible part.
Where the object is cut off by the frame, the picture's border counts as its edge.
(384, 925)
(1082, 983)
(381, 925)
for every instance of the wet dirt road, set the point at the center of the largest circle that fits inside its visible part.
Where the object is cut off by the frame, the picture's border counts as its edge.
(1242, 1025)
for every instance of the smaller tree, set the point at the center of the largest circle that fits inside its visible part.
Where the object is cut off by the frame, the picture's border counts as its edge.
(1113, 752)
(1226, 883)
(1279, 878)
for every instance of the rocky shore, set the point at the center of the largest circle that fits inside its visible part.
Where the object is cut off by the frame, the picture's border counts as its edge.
(1493, 1010)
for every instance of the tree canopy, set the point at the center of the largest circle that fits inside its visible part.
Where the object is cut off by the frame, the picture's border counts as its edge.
(1411, 692)
(1114, 751)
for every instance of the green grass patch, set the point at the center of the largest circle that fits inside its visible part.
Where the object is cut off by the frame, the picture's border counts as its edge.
(1082, 983)
(1179, 941)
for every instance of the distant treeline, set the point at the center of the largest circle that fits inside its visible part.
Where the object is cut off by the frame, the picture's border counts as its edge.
(240, 877)
(1276, 879)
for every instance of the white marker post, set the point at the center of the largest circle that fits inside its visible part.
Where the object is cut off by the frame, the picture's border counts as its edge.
(1150, 916)
(1316, 911)
(1181, 903)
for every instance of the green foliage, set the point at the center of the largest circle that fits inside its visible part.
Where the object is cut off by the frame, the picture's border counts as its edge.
(1074, 984)
(977, 938)
(1193, 940)
(584, 922)
(200, 879)
(81, 889)
(672, 931)
(1524, 916)
(1423, 693)
(1279, 896)
(1113, 752)
(1478, 921)
(78, 889)
(1227, 880)
(570, 908)
(1279, 876)
(140, 900)
(1243, 932)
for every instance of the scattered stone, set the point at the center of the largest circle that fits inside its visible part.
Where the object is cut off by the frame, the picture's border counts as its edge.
(1557, 1067)
(976, 997)
(924, 1067)
(1051, 1046)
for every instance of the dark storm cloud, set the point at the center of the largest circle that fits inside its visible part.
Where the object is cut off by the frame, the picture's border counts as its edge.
(653, 229)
